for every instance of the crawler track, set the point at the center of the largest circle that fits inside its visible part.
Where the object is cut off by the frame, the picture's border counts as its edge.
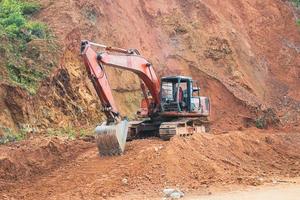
(183, 127)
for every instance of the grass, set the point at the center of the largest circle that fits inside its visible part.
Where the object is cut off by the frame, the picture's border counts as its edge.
(17, 31)
(69, 132)
(11, 136)
(25, 77)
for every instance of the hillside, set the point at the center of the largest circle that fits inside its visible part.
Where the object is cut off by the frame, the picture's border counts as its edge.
(245, 55)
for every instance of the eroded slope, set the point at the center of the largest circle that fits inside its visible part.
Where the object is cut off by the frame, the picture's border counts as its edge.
(245, 54)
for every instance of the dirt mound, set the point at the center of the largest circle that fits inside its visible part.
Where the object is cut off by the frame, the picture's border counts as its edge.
(239, 157)
(197, 163)
(35, 157)
(250, 157)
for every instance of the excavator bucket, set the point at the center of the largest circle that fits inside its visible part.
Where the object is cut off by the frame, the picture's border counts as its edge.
(111, 139)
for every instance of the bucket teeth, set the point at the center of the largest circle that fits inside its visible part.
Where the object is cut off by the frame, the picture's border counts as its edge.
(111, 139)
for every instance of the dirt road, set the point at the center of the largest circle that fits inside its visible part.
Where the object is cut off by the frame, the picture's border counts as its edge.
(192, 164)
(279, 192)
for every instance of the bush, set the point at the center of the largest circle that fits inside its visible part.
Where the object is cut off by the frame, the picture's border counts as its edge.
(37, 30)
(266, 119)
(260, 123)
(11, 136)
(25, 77)
(30, 8)
(16, 31)
(14, 21)
(297, 2)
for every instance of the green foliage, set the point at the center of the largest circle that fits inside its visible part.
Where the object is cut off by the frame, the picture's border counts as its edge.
(297, 2)
(37, 30)
(25, 77)
(30, 8)
(14, 21)
(16, 31)
(266, 119)
(68, 132)
(260, 123)
(11, 136)
(84, 132)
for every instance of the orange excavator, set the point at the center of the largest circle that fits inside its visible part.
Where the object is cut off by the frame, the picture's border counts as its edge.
(170, 106)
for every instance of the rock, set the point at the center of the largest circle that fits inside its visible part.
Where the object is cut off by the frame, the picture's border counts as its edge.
(156, 149)
(168, 191)
(260, 179)
(124, 181)
(173, 193)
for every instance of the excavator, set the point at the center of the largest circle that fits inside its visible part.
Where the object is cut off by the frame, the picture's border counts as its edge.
(170, 106)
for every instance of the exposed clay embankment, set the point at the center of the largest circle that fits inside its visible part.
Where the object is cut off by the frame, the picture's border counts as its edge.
(245, 55)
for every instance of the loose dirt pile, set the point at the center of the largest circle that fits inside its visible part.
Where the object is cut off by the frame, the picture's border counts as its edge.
(245, 55)
(239, 157)
(35, 157)
(149, 165)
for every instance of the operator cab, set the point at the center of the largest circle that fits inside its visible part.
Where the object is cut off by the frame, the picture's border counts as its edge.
(178, 95)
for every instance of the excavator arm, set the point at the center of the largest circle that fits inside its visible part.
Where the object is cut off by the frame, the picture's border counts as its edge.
(99, 79)
(138, 65)
(127, 60)
(111, 137)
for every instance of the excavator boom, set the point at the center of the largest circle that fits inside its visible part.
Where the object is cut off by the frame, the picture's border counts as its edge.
(137, 65)
(111, 136)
